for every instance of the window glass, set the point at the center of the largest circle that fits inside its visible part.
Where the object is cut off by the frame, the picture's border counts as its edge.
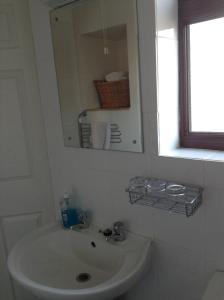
(206, 76)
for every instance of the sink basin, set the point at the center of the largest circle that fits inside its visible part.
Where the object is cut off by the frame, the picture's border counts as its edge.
(59, 264)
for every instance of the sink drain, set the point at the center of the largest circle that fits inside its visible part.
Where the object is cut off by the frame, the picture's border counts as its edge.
(83, 277)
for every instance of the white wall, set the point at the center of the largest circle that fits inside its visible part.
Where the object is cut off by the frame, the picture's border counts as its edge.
(187, 251)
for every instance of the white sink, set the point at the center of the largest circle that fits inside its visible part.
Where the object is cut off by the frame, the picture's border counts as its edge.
(62, 264)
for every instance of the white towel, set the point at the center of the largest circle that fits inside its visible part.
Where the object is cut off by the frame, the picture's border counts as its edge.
(100, 135)
(115, 76)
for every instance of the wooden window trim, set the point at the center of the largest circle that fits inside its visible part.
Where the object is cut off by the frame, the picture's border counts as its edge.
(190, 12)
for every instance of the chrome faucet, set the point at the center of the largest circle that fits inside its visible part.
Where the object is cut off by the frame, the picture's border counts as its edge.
(116, 234)
(84, 218)
(84, 221)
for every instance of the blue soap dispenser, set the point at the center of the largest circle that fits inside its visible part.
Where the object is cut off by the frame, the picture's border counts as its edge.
(73, 213)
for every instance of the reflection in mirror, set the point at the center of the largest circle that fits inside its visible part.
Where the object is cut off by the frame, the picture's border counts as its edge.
(97, 63)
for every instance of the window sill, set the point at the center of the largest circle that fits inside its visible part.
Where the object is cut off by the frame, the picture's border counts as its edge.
(194, 154)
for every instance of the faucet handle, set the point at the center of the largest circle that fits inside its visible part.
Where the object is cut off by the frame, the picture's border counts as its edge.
(106, 232)
(118, 227)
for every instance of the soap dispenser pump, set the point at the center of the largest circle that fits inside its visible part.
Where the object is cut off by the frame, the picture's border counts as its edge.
(64, 207)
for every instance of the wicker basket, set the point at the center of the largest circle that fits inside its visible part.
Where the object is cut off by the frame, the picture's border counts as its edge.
(113, 94)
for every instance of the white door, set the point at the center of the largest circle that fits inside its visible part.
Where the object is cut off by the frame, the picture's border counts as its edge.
(26, 199)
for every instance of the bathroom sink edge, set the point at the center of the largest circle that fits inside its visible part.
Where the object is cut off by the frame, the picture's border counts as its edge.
(121, 284)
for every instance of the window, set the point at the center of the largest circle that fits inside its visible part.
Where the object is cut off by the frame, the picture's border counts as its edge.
(201, 66)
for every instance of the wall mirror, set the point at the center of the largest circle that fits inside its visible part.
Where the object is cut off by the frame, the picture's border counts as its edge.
(97, 63)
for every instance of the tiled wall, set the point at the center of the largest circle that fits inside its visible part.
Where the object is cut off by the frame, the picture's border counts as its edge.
(186, 251)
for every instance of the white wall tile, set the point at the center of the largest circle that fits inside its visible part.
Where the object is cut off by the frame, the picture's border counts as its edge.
(179, 230)
(150, 125)
(214, 225)
(214, 174)
(182, 170)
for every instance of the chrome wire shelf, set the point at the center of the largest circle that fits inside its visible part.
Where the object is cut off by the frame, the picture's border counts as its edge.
(171, 196)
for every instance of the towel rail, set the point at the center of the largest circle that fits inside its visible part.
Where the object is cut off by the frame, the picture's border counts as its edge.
(85, 131)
